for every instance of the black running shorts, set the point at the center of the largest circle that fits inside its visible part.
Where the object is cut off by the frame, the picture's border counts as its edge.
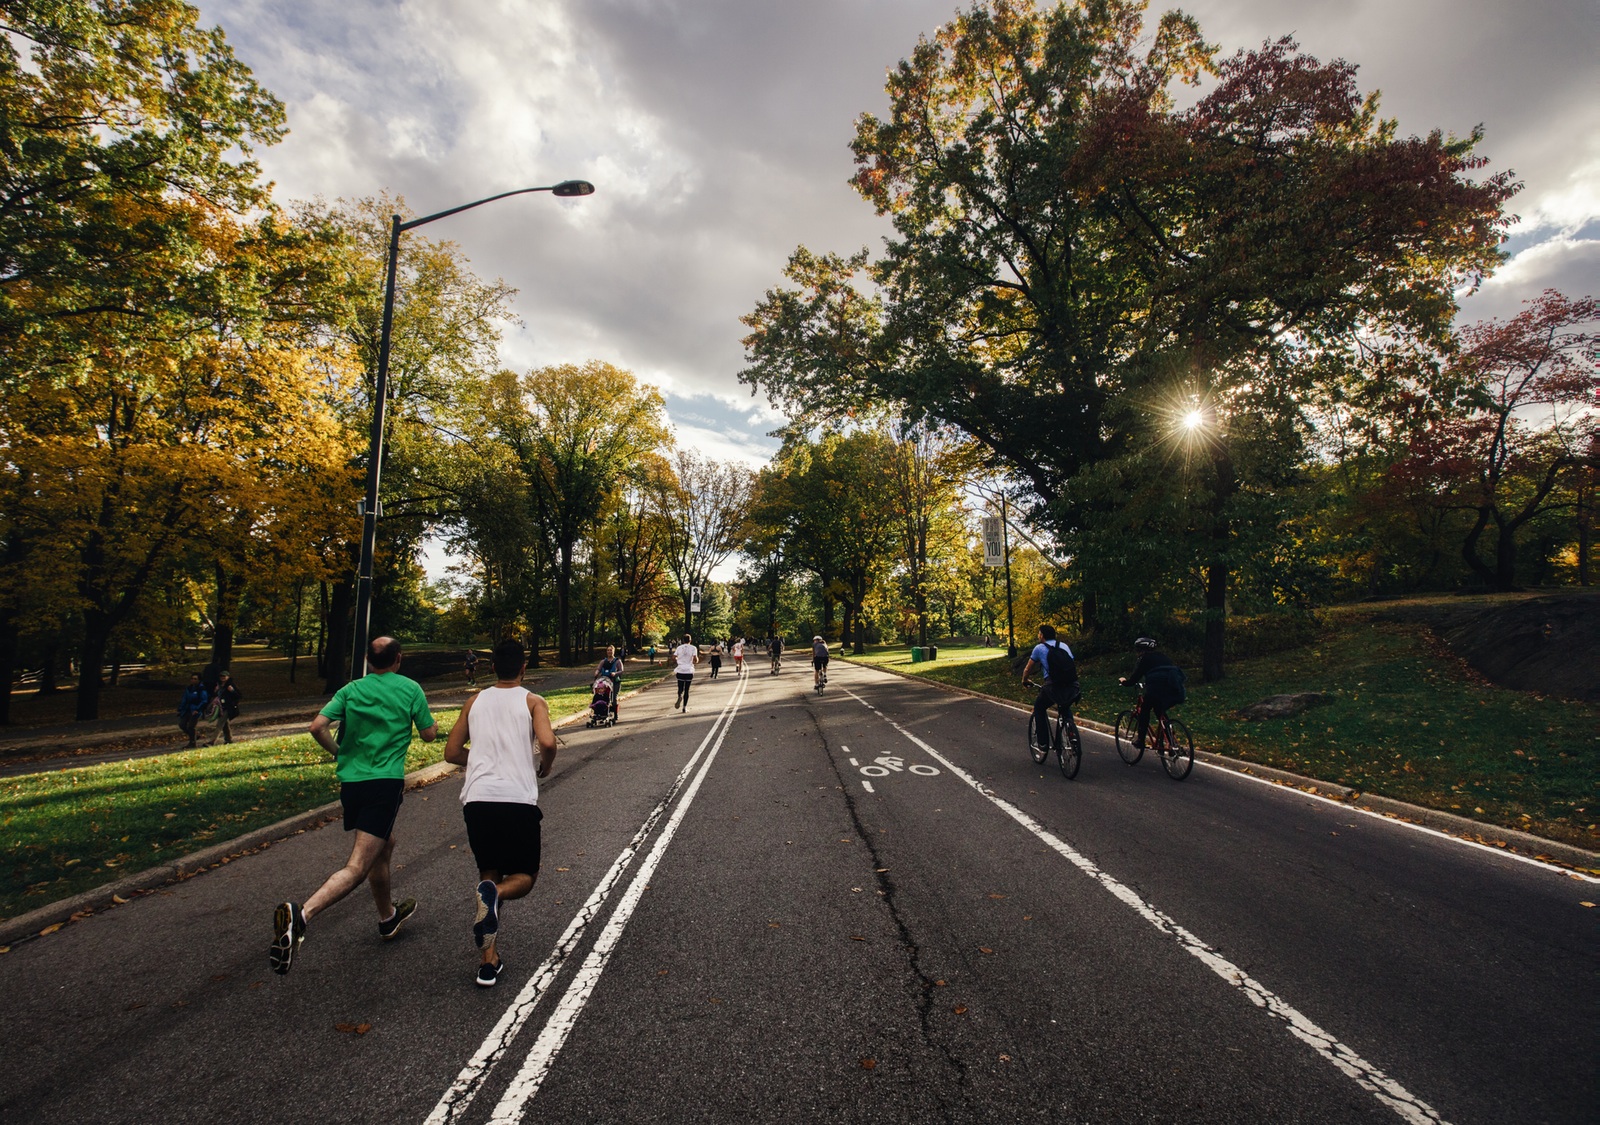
(504, 836)
(371, 806)
(819, 662)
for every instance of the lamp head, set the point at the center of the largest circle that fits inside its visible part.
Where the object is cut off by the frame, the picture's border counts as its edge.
(573, 187)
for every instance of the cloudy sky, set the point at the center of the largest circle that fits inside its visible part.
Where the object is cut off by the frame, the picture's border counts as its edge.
(716, 133)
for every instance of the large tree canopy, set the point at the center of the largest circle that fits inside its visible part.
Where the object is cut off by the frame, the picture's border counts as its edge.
(1076, 255)
(1063, 230)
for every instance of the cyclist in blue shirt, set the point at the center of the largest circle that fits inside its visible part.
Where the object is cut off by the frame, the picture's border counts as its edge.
(1060, 670)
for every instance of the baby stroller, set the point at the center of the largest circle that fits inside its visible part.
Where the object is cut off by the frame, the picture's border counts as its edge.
(600, 712)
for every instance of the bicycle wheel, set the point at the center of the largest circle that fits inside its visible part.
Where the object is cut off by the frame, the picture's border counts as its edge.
(1177, 749)
(1127, 727)
(1037, 752)
(1069, 748)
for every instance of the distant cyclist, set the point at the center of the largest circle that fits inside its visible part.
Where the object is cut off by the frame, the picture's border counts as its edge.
(819, 661)
(1054, 658)
(1161, 681)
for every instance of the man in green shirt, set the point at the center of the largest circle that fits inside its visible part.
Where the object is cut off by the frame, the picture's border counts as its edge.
(378, 712)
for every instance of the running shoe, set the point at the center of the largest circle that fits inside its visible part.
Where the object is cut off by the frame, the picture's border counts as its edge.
(487, 922)
(488, 974)
(389, 930)
(288, 931)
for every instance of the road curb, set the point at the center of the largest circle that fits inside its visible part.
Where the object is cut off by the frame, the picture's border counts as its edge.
(50, 918)
(1491, 835)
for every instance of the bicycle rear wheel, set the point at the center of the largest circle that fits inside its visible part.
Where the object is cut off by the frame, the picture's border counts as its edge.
(1069, 748)
(1127, 727)
(1036, 751)
(1177, 749)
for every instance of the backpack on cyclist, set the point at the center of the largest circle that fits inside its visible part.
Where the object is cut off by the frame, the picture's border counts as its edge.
(1164, 687)
(1061, 667)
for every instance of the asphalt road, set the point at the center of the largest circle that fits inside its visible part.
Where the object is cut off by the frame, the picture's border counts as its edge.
(731, 926)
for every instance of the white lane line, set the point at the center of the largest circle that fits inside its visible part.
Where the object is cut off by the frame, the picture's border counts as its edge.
(461, 1092)
(867, 785)
(542, 1056)
(1367, 1076)
(1347, 807)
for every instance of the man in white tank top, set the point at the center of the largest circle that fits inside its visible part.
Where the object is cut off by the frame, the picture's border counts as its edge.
(500, 796)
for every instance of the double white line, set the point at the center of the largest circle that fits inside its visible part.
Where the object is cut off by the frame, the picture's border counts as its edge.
(452, 1106)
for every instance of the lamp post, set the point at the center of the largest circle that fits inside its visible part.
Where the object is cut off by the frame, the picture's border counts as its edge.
(370, 510)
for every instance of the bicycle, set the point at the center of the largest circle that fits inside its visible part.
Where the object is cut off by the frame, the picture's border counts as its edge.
(777, 663)
(1064, 737)
(1172, 742)
(822, 679)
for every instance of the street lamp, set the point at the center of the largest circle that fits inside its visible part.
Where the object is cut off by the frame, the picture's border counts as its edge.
(370, 510)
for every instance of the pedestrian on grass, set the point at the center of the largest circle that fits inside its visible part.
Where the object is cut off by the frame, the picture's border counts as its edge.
(687, 657)
(513, 745)
(224, 708)
(377, 712)
(192, 706)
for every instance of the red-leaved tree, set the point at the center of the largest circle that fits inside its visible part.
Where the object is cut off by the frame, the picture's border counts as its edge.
(1522, 428)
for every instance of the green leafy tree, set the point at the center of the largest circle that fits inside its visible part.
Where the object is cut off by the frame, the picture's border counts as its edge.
(1067, 236)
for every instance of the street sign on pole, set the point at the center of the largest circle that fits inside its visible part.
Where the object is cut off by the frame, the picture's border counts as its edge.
(694, 599)
(994, 553)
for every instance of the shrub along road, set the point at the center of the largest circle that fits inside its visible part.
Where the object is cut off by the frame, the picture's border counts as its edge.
(864, 905)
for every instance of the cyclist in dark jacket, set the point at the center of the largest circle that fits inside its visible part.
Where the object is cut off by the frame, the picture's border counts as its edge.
(1162, 680)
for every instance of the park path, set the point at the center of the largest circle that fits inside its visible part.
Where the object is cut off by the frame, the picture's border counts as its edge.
(866, 905)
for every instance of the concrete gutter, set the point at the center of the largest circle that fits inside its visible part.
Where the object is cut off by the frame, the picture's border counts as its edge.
(1492, 835)
(48, 919)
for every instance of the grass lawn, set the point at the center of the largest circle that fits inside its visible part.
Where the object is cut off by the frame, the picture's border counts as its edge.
(69, 830)
(1407, 719)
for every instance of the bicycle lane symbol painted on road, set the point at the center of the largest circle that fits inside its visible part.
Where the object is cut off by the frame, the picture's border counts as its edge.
(886, 764)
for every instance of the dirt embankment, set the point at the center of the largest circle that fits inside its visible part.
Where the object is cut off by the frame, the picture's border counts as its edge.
(1549, 644)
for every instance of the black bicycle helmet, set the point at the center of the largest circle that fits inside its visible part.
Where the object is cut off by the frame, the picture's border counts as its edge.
(1145, 642)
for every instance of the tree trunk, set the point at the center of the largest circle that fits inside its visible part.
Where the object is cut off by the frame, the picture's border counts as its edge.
(226, 619)
(322, 629)
(47, 670)
(1211, 655)
(564, 606)
(1585, 507)
(8, 667)
(1469, 550)
(97, 627)
(1505, 559)
(341, 608)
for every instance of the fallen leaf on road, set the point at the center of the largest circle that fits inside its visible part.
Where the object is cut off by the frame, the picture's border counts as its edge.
(1005, 1058)
(881, 870)
(363, 1028)
(868, 1064)
(662, 973)
(961, 1009)
(119, 900)
(563, 869)
(984, 949)
(1027, 917)
(219, 976)
(857, 937)
(169, 815)
(255, 984)
(5, 949)
(1590, 905)
(997, 896)
(51, 929)
(940, 983)
(856, 889)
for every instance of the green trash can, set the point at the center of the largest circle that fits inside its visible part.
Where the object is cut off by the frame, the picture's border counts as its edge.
(916, 654)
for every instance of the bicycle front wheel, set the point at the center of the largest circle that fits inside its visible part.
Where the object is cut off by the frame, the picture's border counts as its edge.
(1127, 727)
(1069, 748)
(1036, 750)
(1177, 750)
